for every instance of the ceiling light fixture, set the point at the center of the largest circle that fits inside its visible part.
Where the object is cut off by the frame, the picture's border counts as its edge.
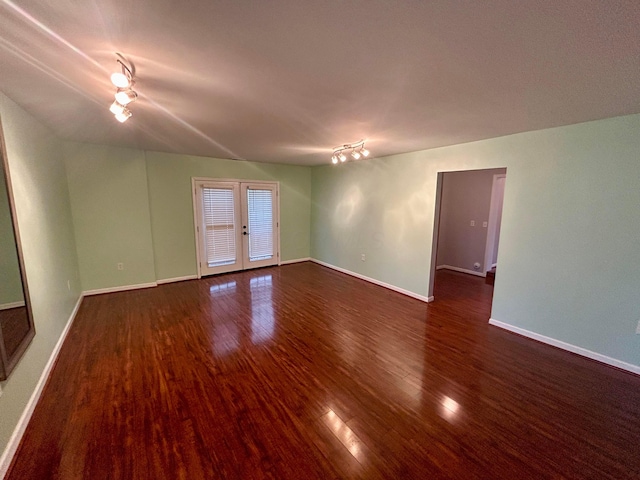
(125, 97)
(116, 108)
(123, 116)
(123, 80)
(357, 151)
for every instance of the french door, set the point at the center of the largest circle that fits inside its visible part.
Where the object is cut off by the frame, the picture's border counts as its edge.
(236, 225)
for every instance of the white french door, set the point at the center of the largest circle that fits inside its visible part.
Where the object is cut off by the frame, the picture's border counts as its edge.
(236, 225)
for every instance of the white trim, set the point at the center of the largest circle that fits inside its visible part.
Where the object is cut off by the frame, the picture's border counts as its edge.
(18, 432)
(123, 288)
(196, 223)
(9, 306)
(376, 282)
(176, 279)
(296, 260)
(568, 347)
(492, 224)
(461, 270)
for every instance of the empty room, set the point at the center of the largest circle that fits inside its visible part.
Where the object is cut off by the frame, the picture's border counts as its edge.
(319, 240)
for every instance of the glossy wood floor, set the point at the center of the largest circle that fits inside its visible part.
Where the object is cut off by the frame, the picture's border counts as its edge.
(301, 372)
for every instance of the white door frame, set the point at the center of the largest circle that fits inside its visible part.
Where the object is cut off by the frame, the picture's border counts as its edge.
(194, 199)
(492, 233)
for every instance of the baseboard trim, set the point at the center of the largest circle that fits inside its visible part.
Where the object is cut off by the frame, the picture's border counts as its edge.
(176, 279)
(18, 432)
(629, 367)
(123, 288)
(374, 281)
(461, 270)
(296, 260)
(9, 306)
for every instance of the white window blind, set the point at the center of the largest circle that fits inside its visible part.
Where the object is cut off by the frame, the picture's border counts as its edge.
(260, 213)
(220, 229)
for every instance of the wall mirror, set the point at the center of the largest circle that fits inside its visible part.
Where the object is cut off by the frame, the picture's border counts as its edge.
(16, 320)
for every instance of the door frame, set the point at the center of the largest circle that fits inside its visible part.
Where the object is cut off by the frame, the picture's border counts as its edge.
(194, 200)
(492, 230)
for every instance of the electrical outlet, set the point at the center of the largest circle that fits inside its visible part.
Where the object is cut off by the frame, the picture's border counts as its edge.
(485, 224)
(120, 266)
(69, 285)
(473, 223)
(638, 328)
(363, 257)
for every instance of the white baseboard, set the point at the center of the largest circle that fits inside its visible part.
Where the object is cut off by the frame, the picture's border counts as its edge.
(176, 279)
(297, 260)
(461, 270)
(374, 281)
(9, 306)
(568, 347)
(123, 288)
(18, 432)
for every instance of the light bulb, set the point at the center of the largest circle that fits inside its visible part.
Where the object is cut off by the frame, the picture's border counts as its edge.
(120, 80)
(342, 157)
(334, 159)
(123, 116)
(124, 97)
(364, 152)
(116, 108)
(355, 155)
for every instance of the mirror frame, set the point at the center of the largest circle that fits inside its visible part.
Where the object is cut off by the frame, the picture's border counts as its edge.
(7, 364)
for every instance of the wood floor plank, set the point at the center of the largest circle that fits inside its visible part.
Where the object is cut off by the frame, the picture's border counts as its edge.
(300, 372)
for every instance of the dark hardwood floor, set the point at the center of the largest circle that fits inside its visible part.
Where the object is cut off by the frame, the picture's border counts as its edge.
(301, 372)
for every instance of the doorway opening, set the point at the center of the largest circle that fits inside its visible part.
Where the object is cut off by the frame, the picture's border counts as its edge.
(466, 234)
(236, 225)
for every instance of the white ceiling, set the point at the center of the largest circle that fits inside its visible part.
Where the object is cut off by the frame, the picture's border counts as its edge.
(285, 81)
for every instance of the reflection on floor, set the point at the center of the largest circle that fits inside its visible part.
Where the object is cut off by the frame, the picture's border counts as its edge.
(299, 372)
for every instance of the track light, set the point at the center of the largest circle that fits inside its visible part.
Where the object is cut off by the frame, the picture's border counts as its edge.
(125, 97)
(123, 116)
(357, 151)
(120, 80)
(123, 80)
(116, 108)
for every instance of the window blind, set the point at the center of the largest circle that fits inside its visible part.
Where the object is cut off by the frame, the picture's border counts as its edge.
(220, 229)
(260, 213)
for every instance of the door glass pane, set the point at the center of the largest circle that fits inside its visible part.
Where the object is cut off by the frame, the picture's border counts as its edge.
(260, 213)
(219, 224)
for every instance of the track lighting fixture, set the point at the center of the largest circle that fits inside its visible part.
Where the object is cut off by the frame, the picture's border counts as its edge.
(123, 116)
(125, 97)
(357, 151)
(116, 108)
(123, 81)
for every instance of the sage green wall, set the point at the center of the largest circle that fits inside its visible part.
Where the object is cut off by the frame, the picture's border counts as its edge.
(110, 205)
(569, 257)
(171, 203)
(44, 218)
(10, 284)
